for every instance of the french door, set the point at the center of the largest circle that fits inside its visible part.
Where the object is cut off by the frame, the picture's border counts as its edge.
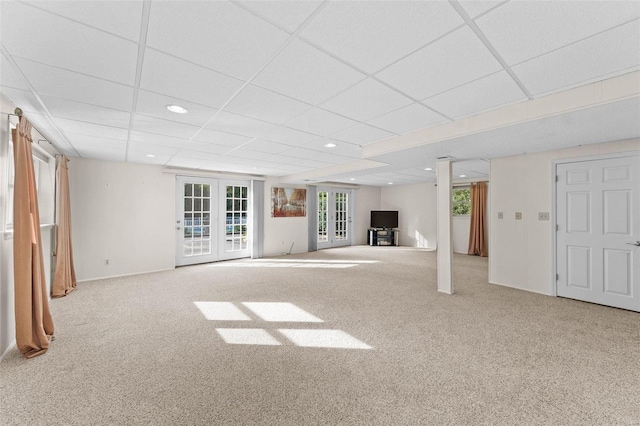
(334, 217)
(598, 231)
(212, 220)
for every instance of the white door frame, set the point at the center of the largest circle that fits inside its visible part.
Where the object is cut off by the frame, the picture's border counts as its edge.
(554, 215)
(331, 231)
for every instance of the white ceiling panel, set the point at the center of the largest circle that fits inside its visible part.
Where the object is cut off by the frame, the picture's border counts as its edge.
(342, 148)
(327, 156)
(361, 134)
(265, 146)
(303, 72)
(155, 105)
(171, 76)
(266, 105)
(371, 35)
(23, 99)
(186, 162)
(10, 77)
(478, 7)
(61, 83)
(239, 124)
(320, 122)
(609, 53)
(151, 148)
(288, 136)
(286, 14)
(472, 98)
(206, 156)
(117, 17)
(245, 154)
(58, 41)
(221, 138)
(102, 153)
(452, 61)
(366, 100)
(142, 158)
(210, 148)
(80, 141)
(521, 30)
(406, 119)
(285, 159)
(90, 129)
(158, 126)
(211, 33)
(159, 140)
(63, 108)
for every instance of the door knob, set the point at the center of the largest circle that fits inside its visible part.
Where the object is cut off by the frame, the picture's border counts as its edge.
(637, 243)
(177, 227)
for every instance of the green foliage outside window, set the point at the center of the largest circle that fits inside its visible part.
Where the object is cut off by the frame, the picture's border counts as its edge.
(461, 204)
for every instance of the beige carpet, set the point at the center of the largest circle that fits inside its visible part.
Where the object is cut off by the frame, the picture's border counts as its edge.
(137, 350)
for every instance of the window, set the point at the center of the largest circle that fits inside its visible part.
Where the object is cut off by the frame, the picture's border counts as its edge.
(237, 213)
(461, 205)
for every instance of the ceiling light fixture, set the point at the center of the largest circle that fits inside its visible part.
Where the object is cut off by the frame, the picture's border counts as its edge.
(177, 109)
(428, 169)
(330, 145)
(463, 175)
(390, 183)
(352, 178)
(150, 156)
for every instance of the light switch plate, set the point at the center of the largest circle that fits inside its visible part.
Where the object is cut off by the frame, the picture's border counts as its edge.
(500, 215)
(518, 215)
(543, 216)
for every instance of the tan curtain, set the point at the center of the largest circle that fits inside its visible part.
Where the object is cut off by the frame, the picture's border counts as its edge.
(64, 281)
(34, 326)
(477, 231)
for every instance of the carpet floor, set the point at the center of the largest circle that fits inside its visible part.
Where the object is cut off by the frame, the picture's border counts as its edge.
(355, 335)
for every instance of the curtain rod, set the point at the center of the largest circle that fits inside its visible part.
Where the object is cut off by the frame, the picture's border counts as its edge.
(465, 183)
(18, 113)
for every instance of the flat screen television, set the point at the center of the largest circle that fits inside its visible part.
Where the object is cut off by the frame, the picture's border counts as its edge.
(384, 218)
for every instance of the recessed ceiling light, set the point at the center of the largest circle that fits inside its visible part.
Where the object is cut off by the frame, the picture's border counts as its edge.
(352, 178)
(151, 156)
(463, 175)
(390, 183)
(330, 145)
(428, 169)
(177, 109)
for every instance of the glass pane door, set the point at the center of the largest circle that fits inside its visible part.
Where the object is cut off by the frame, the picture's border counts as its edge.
(334, 217)
(342, 216)
(195, 222)
(323, 206)
(235, 208)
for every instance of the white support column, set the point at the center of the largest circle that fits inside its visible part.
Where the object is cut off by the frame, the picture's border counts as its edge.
(445, 245)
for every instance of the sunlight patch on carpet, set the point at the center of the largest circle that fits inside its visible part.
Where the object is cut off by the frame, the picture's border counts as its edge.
(323, 339)
(280, 312)
(221, 311)
(247, 336)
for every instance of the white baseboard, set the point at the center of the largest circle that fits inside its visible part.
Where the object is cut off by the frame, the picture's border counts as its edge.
(124, 275)
(9, 349)
(520, 288)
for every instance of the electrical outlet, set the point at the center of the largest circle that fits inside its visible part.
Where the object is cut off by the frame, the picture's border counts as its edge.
(543, 216)
(106, 261)
(500, 215)
(518, 215)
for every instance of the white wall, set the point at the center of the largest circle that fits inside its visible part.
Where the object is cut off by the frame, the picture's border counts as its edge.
(461, 234)
(416, 205)
(122, 212)
(281, 232)
(367, 198)
(520, 251)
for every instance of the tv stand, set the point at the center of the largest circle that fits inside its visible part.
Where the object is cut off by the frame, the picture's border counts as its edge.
(382, 237)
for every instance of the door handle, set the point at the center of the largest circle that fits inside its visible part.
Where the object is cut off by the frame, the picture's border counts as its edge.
(637, 243)
(177, 228)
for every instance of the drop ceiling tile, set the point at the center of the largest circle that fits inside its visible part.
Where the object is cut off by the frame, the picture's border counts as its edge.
(286, 14)
(101, 153)
(229, 122)
(206, 156)
(266, 146)
(155, 139)
(155, 105)
(62, 108)
(371, 35)
(308, 154)
(151, 148)
(91, 129)
(521, 30)
(158, 126)
(83, 141)
(478, 7)
(212, 33)
(342, 148)
(186, 162)
(361, 134)
(117, 17)
(10, 77)
(407, 119)
(266, 105)
(481, 95)
(320, 122)
(67, 44)
(142, 158)
(241, 154)
(24, 100)
(61, 83)
(300, 162)
(610, 53)
(366, 100)
(436, 69)
(304, 73)
(171, 76)
(288, 136)
(221, 138)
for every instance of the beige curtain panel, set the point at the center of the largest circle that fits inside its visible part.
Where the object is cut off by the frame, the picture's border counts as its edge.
(64, 281)
(34, 326)
(477, 231)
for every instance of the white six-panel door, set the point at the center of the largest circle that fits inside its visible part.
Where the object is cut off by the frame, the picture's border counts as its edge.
(598, 221)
